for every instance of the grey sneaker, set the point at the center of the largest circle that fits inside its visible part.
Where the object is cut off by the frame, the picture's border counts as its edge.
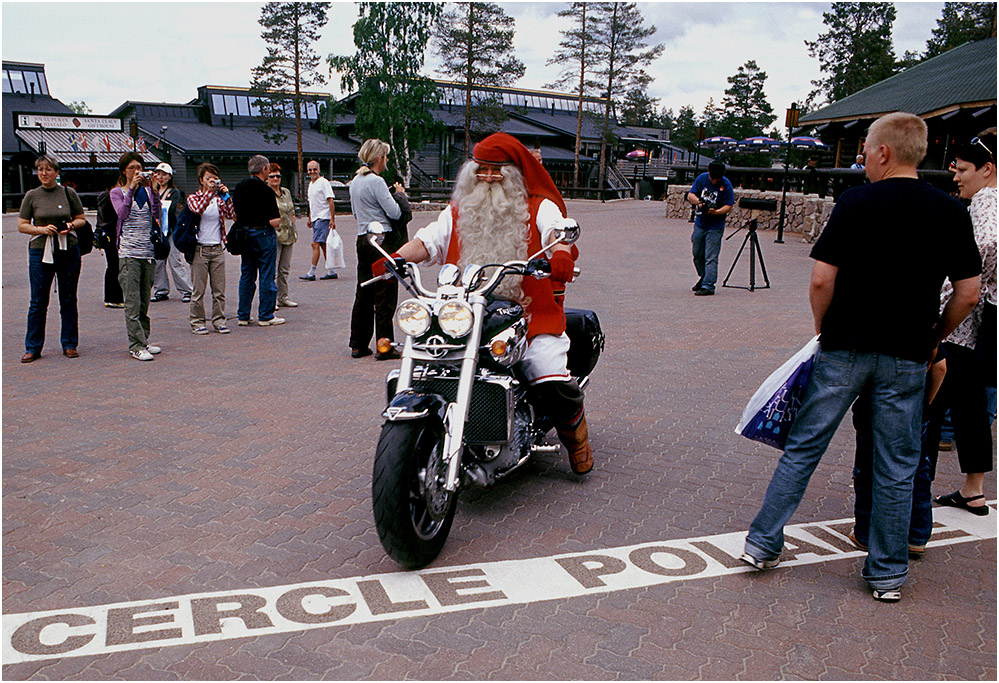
(759, 564)
(272, 321)
(244, 323)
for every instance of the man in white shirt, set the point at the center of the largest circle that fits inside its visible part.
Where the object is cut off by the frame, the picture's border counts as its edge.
(321, 221)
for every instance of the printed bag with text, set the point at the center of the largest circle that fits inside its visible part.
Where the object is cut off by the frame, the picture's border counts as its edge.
(770, 413)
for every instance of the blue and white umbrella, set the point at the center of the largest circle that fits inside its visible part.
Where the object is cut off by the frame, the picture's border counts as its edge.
(719, 140)
(808, 143)
(758, 142)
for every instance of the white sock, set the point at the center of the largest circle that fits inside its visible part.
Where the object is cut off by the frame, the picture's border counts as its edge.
(312, 270)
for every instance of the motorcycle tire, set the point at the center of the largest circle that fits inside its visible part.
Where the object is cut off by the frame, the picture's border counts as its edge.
(408, 530)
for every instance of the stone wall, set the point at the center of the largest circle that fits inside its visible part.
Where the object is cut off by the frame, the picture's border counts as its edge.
(806, 213)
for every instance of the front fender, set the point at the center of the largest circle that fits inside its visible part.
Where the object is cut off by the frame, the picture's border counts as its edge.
(413, 405)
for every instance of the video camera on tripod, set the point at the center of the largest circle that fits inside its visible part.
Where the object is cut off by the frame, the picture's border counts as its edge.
(754, 205)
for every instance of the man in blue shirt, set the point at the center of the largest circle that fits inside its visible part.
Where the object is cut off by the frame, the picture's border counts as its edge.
(712, 197)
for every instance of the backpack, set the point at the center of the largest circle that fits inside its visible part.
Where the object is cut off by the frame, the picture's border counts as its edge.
(107, 222)
(185, 231)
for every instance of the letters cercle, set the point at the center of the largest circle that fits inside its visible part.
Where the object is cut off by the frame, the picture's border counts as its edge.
(205, 617)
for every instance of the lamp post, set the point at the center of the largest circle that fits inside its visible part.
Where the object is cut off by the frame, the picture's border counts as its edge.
(790, 121)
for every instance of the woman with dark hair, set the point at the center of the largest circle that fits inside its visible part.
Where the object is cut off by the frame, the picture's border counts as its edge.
(51, 213)
(171, 198)
(969, 371)
(214, 204)
(286, 235)
(138, 209)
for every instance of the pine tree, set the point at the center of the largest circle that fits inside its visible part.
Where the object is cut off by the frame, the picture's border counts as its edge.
(475, 45)
(394, 101)
(856, 51)
(711, 118)
(959, 23)
(622, 51)
(638, 107)
(576, 54)
(684, 133)
(291, 64)
(747, 111)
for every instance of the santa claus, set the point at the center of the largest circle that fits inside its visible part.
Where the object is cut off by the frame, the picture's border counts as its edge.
(505, 207)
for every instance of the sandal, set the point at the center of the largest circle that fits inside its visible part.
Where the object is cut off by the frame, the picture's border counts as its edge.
(956, 500)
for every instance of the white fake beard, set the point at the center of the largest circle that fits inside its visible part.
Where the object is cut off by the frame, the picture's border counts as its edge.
(492, 222)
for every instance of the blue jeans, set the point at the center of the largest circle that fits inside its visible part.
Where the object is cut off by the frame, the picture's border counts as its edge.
(706, 247)
(65, 269)
(921, 518)
(896, 390)
(259, 262)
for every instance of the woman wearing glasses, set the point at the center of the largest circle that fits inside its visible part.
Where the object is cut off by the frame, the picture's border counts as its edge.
(971, 371)
(286, 235)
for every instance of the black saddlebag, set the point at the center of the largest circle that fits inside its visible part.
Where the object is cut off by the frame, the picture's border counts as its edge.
(586, 340)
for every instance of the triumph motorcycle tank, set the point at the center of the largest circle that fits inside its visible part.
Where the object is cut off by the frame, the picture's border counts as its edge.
(500, 315)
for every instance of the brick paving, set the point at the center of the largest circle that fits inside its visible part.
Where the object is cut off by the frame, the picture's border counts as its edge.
(242, 461)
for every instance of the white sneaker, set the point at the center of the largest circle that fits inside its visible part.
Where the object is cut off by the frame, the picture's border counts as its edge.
(272, 321)
(288, 303)
(141, 354)
(246, 323)
(153, 349)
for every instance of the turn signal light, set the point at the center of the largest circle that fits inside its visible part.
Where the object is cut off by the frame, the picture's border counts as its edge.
(498, 348)
(384, 345)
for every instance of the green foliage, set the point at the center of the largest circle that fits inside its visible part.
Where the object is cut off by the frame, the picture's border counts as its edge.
(638, 108)
(746, 110)
(856, 51)
(959, 23)
(712, 118)
(474, 41)
(290, 65)
(684, 132)
(394, 101)
(79, 107)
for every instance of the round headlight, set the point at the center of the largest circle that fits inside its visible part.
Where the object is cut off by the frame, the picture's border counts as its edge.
(455, 318)
(413, 318)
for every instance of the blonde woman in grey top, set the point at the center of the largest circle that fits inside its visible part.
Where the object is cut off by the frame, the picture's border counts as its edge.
(371, 201)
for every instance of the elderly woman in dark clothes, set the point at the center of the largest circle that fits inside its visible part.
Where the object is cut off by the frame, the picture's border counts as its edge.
(51, 214)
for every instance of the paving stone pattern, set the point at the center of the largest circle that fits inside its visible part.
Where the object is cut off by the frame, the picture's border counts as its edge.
(241, 461)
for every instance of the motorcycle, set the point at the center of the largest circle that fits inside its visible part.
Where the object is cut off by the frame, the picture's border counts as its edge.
(459, 413)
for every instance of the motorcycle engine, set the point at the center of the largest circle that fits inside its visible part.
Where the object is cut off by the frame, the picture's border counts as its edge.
(493, 461)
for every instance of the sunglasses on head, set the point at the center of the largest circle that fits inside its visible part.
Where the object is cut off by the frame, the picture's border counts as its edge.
(978, 141)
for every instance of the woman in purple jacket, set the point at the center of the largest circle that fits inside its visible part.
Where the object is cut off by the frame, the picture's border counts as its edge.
(138, 210)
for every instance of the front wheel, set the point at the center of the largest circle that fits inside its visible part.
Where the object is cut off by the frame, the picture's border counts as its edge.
(413, 511)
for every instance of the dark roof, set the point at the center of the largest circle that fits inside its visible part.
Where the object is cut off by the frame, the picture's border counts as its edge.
(192, 137)
(965, 75)
(25, 104)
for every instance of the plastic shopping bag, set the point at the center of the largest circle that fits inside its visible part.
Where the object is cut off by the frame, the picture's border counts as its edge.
(770, 413)
(334, 251)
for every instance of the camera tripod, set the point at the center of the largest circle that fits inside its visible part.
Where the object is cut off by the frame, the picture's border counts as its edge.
(754, 249)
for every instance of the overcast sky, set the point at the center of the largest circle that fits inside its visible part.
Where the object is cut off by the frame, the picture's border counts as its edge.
(107, 53)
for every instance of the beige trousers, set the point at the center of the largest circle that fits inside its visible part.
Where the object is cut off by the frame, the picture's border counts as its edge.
(208, 266)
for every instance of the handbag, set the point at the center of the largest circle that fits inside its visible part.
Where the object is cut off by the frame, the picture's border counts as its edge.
(334, 251)
(771, 411)
(161, 246)
(85, 234)
(185, 232)
(237, 241)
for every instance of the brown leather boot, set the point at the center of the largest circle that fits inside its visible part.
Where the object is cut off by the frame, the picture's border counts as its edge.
(577, 441)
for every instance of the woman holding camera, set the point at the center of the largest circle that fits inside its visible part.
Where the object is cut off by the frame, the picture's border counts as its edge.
(138, 209)
(50, 214)
(214, 204)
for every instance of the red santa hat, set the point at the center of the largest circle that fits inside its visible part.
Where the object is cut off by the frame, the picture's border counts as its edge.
(500, 149)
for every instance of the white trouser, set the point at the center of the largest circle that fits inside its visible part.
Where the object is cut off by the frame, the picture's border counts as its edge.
(546, 359)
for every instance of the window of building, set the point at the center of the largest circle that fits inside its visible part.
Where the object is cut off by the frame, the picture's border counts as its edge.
(6, 81)
(218, 105)
(230, 104)
(17, 82)
(243, 105)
